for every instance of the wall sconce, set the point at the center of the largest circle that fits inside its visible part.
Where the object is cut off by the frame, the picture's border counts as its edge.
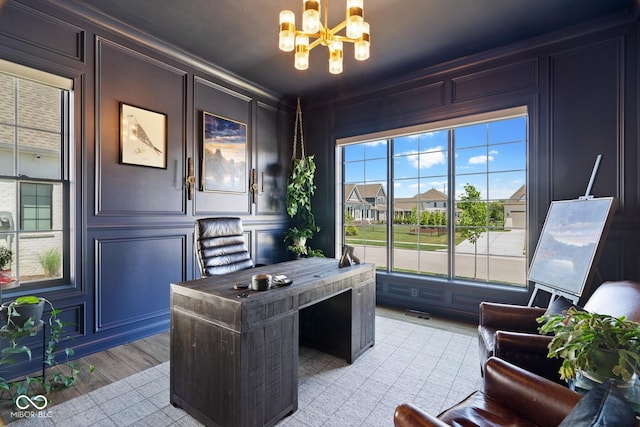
(255, 190)
(190, 180)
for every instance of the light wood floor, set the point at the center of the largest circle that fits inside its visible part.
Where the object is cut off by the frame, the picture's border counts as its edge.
(111, 365)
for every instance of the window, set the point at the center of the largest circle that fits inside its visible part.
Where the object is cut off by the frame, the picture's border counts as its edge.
(34, 186)
(477, 231)
(35, 206)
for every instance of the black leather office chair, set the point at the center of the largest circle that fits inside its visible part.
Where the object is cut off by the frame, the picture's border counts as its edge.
(220, 246)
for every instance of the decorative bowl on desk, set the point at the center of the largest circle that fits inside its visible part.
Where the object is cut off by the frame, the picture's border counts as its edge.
(282, 280)
(261, 282)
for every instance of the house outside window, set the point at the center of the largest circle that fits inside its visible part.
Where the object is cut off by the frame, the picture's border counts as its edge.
(34, 182)
(457, 198)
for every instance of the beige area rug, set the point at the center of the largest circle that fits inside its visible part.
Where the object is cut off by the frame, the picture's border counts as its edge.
(431, 367)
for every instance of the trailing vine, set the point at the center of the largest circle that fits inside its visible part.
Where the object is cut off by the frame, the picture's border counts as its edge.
(300, 189)
(67, 372)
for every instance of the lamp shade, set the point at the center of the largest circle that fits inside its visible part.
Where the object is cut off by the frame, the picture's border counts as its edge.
(355, 18)
(336, 54)
(302, 53)
(361, 47)
(286, 37)
(311, 16)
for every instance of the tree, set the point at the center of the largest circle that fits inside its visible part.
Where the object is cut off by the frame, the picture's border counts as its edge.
(473, 219)
(496, 213)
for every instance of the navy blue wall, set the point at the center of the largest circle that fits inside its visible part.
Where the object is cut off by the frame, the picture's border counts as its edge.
(133, 226)
(581, 90)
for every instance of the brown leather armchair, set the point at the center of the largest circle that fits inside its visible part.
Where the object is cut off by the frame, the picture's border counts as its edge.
(510, 332)
(510, 396)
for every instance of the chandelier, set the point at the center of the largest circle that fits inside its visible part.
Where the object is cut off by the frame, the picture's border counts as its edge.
(357, 32)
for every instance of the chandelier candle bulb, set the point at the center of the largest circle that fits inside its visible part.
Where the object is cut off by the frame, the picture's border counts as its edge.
(335, 57)
(286, 39)
(361, 47)
(311, 16)
(302, 53)
(355, 18)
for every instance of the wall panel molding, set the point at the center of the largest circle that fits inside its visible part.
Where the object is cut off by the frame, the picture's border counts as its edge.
(132, 277)
(221, 101)
(42, 31)
(495, 81)
(124, 75)
(415, 99)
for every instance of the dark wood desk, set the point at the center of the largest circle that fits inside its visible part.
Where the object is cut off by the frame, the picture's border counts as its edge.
(234, 361)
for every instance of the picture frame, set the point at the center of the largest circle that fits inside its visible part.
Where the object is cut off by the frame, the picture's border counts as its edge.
(224, 155)
(143, 137)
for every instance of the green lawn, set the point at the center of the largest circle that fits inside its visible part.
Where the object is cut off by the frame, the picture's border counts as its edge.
(405, 236)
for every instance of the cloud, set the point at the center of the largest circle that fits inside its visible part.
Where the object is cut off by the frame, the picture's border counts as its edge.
(375, 143)
(431, 157)
(478, 160)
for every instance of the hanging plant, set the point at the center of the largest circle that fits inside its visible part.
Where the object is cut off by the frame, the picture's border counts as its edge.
(300, 189)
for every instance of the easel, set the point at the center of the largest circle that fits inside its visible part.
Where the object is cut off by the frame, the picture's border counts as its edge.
(553, 291)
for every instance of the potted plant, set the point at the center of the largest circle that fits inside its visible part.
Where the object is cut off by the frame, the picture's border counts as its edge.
(300, 189)
(67, 372)
(6, 257)
(599, 346)
(27, 308)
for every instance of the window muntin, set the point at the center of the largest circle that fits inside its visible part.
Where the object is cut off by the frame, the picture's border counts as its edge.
(34, 198)
(488, 155)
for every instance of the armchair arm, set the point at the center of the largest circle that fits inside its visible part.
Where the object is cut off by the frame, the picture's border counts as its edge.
(529, 352)
(408, 415)
(540, 400)
(510, 317)
(519, 342)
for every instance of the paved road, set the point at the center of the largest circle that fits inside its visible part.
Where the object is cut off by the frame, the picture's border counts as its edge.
(505, 263)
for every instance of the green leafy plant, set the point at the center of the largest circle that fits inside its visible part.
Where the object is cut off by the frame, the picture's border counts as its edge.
(67, 372)
(6, 256)
(300, 189)
(580, 337)
(50, 260)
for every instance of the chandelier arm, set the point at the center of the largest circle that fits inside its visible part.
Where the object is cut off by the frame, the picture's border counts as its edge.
(326, 12)
(344, 38)
(332, 32)
(315, 43)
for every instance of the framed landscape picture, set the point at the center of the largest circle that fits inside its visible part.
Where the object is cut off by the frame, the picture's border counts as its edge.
(570, 242)
(143, 137)
(224, 155)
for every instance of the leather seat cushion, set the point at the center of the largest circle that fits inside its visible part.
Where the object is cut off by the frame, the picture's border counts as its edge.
(482, 411)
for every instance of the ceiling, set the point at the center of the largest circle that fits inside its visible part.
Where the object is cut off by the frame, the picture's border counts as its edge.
(241, 36)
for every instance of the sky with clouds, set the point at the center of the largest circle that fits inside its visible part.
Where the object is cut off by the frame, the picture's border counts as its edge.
(491, 156)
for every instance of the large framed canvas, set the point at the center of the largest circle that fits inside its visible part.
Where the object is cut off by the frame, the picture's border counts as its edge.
(572, 236)
(143, 137)
(224, 155)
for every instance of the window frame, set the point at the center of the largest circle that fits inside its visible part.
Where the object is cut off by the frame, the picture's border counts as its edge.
(447, 124)
(65, 86)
